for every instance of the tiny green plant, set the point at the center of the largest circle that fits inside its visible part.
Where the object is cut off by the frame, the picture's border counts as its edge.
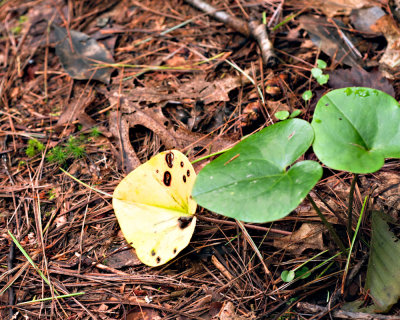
(73, 149)
(34, 147)
(284, 114)
(57, 155)
(95, 132)
(318, 74)
(18, 28)
(307, 95)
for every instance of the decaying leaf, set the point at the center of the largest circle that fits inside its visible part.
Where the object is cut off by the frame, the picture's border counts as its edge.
(144, 314)
(325, 36)
(386, 190)
(332, 8)
(390, 60)
(197, 89)
(121, 259)
(153, 119)
(75, 110)
(383, 273)
(364, 19)
(309, 236)
(81, 56)
(228, 312)
(357, 77)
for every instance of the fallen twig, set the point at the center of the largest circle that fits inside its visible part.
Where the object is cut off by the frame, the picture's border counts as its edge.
(252, 29)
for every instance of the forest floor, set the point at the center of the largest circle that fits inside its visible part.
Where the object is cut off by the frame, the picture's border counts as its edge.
(174, 77)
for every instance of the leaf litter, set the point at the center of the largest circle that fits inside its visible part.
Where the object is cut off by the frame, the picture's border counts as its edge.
(171, 86)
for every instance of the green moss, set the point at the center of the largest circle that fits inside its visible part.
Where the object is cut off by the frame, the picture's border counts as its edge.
(34, 147)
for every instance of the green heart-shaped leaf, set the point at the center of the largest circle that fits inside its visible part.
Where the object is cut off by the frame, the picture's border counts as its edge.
(250, 182)
(356, 129)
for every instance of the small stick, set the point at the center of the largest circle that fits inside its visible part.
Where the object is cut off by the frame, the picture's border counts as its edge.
(252, 29)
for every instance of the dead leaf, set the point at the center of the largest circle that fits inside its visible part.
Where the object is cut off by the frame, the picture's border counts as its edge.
(390, 61)
(121, 259)
(209, 92)
(332, 8)
(364, 19)
(309, 236)
(325, 36)
(83, 60)
(153, 119)
(75, 110)
(144, 314)
(227, 312)
(197, 89)
(386, 187)
(357, 77)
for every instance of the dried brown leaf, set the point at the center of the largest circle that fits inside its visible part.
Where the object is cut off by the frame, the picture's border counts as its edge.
(335, 7)
(325, 36)
(144, 314)
(83, 60)
(309, 236)
(357, 77)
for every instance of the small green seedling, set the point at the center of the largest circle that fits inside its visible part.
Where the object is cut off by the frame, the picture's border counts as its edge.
(318, 74)
(73, 149)
(307, 95)
(287, 275)
(301, 273)
(295, 113)
(57, 155)
(34, 147)
(95, 132)
(284, 114)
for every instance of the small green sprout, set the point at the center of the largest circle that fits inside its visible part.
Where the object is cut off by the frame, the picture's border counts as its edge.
(74, 148)
(95, 132)
(34, 147)
(318, 74)
(57, 155)
(307, 95)
(295, 113)
(282, 115)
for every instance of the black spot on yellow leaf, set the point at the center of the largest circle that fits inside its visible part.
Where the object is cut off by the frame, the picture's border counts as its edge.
(169, 159)
(167, 178)
(184, 222)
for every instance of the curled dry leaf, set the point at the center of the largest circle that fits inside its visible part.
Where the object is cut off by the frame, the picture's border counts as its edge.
(309, 236)
(228, 312)
(197, 89)
(335, 7)
(325, 35)
(153, 119)
(81, 56)
(386, 190)
(390, 59)
(144, 314)
(121, 259)
(357, 77)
